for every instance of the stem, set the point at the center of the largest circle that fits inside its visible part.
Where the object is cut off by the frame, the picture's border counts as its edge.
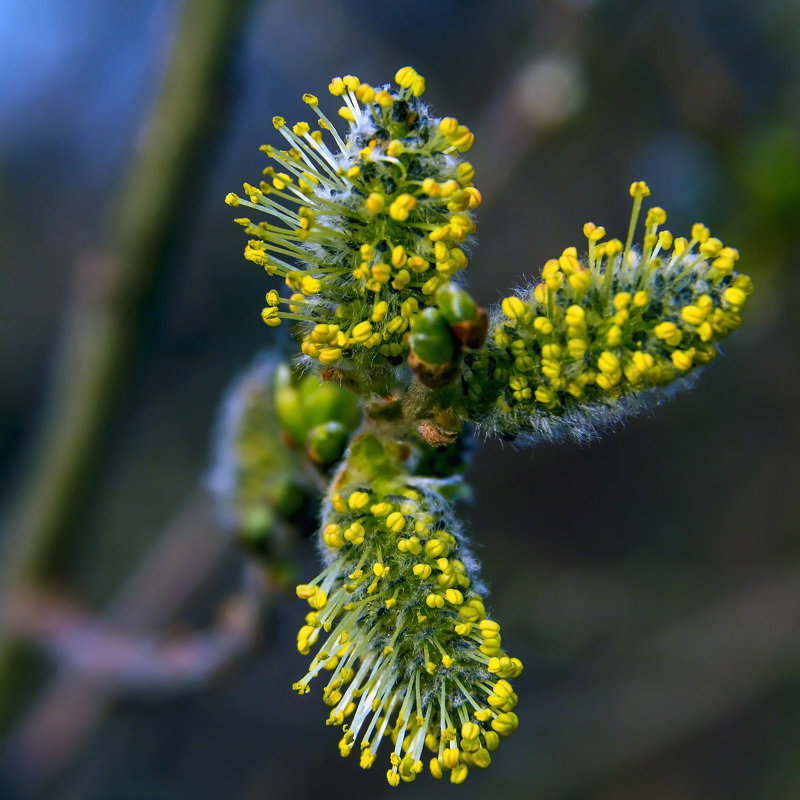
(103, 318)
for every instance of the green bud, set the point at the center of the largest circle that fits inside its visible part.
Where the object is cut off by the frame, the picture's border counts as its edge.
(290, 412)
(327, 442)
(326, 401)
(456, 304)
(307, 402)
(431, 338)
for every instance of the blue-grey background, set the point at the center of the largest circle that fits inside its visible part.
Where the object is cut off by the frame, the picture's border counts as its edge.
(622, 573)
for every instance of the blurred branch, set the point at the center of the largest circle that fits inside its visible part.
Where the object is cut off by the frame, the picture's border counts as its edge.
(64, 714)
(123, 661)
(103, 316)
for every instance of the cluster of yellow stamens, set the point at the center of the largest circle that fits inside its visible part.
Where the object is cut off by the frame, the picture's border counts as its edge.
(597, 335)
(401, 627)
(364, 230)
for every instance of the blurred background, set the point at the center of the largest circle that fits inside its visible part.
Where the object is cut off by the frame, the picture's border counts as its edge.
(650, 582)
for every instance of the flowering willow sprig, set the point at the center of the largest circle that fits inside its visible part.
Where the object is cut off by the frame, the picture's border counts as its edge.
(365, 227)
(368, 230)
(399, 624)
(600, 339)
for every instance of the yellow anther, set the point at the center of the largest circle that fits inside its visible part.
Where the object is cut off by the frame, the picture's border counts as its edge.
(594, 233)
(692, 314)
(735, 296)
(448, 125)
(505, 723)
(394, 148)
(475, 197)
(641, 299)
(365, 93)
(575, 316)
(278, 122)
(552, 275)
(355, 534)
(551, 352)
(608, 363)
(399, 256)
(434, 601)
(232, 200)
(665, 240)
(568, 261)
(405, 77)
(395, 522)
(358, 501)
(580, 280)
(545, 396)
(413, 546)
(381, 272)
(577, 348)
(700, 232)
(270, 317)
(655, 216)
(402, 206)
(614, 336)
(613, 248)
(682, 359)
(345, 112)
(465, 173)
(432, 284)
(362, 332)
(470, 731)
(514, 308)
(336, 87)
(402, 279)
(379, 311)
(305, 591)
(680, 244)
(310, 285)
(543, 326)
(463, 139)
(454, 597)
(422, 570)
(639, 189)
(668, 332)
(351, 82)
(622, 300)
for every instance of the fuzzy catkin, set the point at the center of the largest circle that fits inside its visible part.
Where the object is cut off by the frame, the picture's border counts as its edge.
(606, 337)
(399, 622)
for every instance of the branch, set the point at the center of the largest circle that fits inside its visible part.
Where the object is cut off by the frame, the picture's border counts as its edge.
(120, 661)
(104, 314)
(66, 711)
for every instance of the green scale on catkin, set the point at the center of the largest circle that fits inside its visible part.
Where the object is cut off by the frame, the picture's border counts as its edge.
(398, 623)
